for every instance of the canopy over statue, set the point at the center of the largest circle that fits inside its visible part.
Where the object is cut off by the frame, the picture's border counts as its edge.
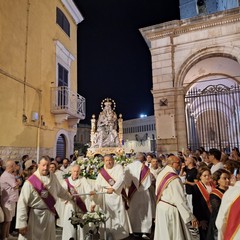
(106, 132)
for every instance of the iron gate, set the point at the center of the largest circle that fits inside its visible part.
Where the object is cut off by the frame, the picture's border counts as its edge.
(213, 117)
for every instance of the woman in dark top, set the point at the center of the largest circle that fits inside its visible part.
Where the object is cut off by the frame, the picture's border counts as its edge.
(222, 179)
(201, 203)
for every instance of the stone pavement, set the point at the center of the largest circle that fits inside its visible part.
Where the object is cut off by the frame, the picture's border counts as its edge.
(59, 235)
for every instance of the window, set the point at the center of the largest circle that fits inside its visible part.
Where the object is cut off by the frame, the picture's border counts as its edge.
(63, 22)
(63, 84)
(62, 76)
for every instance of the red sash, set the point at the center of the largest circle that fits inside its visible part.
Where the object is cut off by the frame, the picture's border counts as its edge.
(111, 182)
(168, 177)
(217, 192)
(79, 202)
(43, 192)
(204, 193)
(143, 174)
(233, 220)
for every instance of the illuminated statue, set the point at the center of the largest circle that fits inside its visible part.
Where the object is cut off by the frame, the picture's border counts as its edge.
(106, 134)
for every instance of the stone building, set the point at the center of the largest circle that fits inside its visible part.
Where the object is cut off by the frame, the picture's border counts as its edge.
(139, 135)
(196, 76)
(39, 103)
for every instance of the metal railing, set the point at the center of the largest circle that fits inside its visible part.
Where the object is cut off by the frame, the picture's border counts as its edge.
(65, 101)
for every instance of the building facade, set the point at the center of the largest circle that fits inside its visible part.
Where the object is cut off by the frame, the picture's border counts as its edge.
(83, 134)
(39, 103)
(196, 76)
(139, 135)
(192, 8)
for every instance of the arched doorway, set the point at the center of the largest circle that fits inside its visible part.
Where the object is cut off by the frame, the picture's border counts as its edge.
(212, 109)
(61, 146)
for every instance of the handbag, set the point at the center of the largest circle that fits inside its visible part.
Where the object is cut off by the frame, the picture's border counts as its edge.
(1, 215)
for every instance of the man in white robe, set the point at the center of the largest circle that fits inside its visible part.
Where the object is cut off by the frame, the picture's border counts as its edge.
(60, 205)
(140, 209)
(172, 212)
(111, 179)
(80, 186)
(34, 219)
(230, 201)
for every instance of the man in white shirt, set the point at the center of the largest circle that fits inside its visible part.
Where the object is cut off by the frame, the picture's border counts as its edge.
(215, 159)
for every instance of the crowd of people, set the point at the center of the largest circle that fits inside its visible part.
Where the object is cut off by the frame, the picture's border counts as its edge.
(190, 195)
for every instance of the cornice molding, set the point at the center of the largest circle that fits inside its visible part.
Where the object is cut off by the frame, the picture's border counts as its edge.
(73, 10)
(178, 27)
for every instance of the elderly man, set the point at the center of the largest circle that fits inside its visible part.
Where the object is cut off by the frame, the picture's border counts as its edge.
(172, 213)
(76, 185)
(35, 210)
(111, 178)
(9, 192)
(138, 180)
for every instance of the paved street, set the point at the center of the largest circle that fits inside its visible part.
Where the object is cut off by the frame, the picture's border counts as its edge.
(59, 236)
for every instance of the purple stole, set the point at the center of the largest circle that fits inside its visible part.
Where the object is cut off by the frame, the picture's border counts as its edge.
(43, 193)
(143, 174)
(168, 177)
(111, 182)
(79, 202)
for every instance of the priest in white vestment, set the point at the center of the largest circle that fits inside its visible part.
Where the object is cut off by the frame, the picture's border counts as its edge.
(110, 180)
(80, 186)
(35, 220)
(138, 182)
(230, 201)
(60, 205)
(172, 212)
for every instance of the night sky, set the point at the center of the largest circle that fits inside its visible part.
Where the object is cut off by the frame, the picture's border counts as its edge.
(113, 58)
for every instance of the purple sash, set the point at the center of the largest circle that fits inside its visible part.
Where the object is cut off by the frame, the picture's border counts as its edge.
(77, 199)
(107, 177)
(111, 182)
(143, 174)
(43, 193)
(164, 183)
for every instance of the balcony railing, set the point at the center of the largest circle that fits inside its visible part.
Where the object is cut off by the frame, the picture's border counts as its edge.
(65, 101)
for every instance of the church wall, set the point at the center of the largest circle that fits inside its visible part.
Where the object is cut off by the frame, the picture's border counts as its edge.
(177, 49)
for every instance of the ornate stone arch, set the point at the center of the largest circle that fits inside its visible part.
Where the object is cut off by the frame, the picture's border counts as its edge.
(232, 53)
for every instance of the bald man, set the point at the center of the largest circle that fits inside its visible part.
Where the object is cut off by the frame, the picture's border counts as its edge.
(76, 185)
(172, 212)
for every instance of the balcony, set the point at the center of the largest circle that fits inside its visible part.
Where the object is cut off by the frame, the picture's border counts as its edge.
(67, 105)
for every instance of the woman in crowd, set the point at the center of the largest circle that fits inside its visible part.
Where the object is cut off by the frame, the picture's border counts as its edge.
(201, 203)
(222, 180)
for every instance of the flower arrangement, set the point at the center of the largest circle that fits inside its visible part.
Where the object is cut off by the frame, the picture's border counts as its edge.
(123, 160)
(79, 218)
(91, 166)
